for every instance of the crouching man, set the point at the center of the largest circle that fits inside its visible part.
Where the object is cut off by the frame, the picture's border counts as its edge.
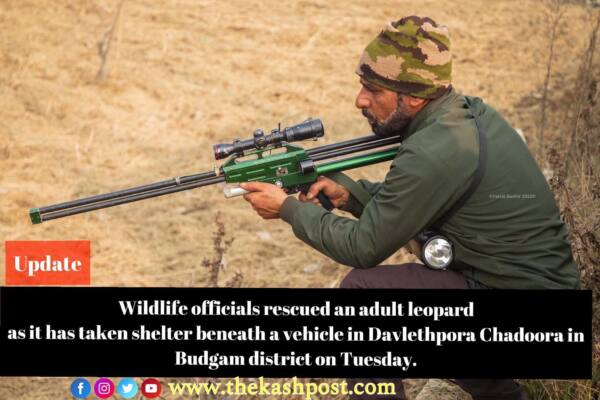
(462, 172)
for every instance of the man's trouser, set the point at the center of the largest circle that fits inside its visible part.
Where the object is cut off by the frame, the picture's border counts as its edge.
(417, 276)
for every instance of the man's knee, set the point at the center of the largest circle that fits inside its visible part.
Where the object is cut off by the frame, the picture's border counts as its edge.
(403, 276)
(383, 276)
(352, 279)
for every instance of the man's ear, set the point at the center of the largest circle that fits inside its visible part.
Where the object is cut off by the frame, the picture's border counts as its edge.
(414, 104)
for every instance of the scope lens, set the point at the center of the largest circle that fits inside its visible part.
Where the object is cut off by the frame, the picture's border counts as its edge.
(222, 150)
(437, 252)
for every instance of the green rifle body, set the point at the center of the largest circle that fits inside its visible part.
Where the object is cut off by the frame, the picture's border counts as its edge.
(271, 159)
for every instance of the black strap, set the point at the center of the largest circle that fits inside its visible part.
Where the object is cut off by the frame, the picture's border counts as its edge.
(353, 187)
(481, 164)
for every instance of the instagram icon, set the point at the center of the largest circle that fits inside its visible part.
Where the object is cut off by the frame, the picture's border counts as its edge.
(104, 388)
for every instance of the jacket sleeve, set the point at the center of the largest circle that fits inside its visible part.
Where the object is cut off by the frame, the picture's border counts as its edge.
(354, 206)
(371, 187)
(415, 192)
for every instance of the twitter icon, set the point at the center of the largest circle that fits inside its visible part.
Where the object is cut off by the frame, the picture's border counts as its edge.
(127, 388)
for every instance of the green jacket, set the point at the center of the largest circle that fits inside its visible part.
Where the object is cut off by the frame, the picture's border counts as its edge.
(508, 234)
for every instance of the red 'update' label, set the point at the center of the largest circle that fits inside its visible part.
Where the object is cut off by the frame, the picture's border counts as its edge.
(60, 262)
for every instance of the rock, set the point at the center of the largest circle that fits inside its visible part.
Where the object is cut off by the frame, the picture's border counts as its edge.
(198, 116)
(312, 268)
(548, 174)
(438, 389)
(520, 132)
(264, 235)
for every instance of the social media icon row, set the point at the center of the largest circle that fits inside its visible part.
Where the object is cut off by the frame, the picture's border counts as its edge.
(105, 388)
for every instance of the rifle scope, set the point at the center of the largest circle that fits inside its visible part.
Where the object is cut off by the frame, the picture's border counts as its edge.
(309, 129)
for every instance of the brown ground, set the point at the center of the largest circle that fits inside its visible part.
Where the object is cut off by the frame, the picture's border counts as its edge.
(184, 74)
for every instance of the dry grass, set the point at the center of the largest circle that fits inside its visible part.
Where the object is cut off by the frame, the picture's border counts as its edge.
(572, 153)
(217, 263)
(184, 74)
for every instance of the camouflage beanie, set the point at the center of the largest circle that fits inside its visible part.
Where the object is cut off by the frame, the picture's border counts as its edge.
(410, 56)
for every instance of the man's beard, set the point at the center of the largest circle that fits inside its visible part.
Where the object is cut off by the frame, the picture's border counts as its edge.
(391, 126)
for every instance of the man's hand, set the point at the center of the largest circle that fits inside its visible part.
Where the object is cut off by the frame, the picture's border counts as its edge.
(337, 194)
(266, 199)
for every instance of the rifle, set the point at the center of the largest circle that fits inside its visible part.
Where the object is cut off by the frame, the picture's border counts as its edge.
(265, 158)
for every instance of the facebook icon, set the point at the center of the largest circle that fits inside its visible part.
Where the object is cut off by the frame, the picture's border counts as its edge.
(80, 388)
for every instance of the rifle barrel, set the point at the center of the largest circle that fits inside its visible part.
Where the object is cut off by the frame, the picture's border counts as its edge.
(350, 143)
(174, 185)
(354, 148)
(126, 192)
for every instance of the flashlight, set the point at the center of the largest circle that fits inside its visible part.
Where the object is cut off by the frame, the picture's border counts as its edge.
(436, 250)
